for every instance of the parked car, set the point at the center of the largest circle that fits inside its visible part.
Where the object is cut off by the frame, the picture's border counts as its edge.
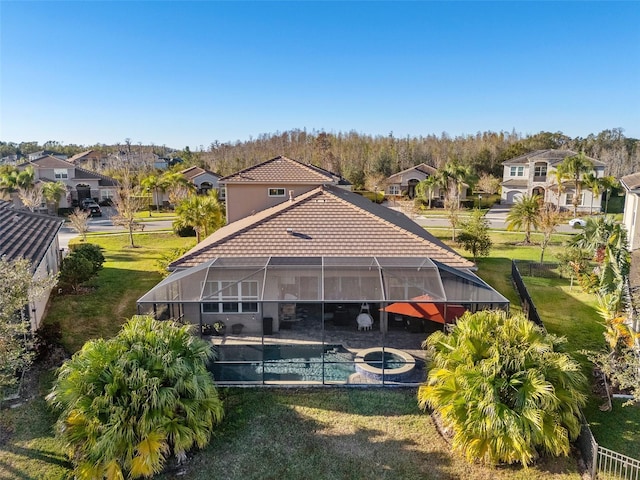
(577, 222)
(92, 207)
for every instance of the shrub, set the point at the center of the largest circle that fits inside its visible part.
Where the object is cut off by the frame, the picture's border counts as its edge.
(503, 387)
(130, 401)
(75, 270)
(91, 252)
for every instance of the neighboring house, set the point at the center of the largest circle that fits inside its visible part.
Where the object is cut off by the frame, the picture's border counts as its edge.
(319, 271)
(532, 174)
(631, 216)
(34, 237)
(272, 182)
(404, 183)
(80, 183)
(90, 160)
(9, 160)
(45, 153)
(204, 180)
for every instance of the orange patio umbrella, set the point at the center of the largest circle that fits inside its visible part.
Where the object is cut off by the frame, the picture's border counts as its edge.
(427, 310)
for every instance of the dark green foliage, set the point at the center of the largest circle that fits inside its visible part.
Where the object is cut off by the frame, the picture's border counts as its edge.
(75, 270)
(91, 252)
(474, 236)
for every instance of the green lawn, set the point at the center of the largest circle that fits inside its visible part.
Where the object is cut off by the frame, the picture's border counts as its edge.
(127, 274)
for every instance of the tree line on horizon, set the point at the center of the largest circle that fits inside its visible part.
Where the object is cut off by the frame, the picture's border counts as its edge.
(366, 160)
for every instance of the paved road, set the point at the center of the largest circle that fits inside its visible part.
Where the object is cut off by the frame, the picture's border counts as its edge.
(104, 224)
(497, 216)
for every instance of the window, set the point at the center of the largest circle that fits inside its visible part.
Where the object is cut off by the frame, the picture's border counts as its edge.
(569, 200)
(517, 172)
(60, 173)
(222, 192)
(540, 171)
(231, 297)
(276, 192)
(394, 189)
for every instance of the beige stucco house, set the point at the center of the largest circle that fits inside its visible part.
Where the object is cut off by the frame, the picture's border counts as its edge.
(532, 174)
(404, 183)
(80, 183)
(273, 182)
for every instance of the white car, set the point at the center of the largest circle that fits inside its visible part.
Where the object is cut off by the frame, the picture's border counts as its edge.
(577, 222)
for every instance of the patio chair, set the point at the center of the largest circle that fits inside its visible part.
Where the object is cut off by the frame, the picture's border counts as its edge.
(365, 322)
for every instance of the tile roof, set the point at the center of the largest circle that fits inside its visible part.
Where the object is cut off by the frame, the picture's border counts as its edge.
(327, 221)
(103, 180)
(552, 156)
(284, 170)
(79, 156)
(49, 162)
(423, 168)
(26, 235)
(193, 172)
(512, 182)
(631, 182)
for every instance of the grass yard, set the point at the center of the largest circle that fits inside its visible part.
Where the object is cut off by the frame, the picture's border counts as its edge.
(127, 274)
(340, 434)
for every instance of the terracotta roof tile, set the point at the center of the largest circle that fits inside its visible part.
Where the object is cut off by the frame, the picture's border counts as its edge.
(326, 221)
(552, 156)
(631, 182)
(283, 170)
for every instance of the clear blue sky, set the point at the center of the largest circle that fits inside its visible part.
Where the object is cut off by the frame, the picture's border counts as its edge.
(188, 73)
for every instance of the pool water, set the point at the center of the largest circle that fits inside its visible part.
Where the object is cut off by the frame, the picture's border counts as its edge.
(299, 363)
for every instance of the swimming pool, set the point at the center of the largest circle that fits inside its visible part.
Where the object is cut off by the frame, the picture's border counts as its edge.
(304, 363)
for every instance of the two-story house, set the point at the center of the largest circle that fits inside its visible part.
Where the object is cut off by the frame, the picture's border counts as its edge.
(533, 174)
(80, 183)
(271, 183)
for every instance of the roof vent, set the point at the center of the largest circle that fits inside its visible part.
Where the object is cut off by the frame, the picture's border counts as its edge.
(290, 231)
(291, 195)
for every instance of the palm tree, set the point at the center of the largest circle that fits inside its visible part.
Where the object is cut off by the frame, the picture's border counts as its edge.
(177, 186)
(426, 187)
(608, 183)
(53, 192)
(203, 213)
(593, 183)
(575, 168)
(559, 175)
(128, 402)
(525, 213)
(155, 183)
(458, 173)
(503, 388)
(595, 235)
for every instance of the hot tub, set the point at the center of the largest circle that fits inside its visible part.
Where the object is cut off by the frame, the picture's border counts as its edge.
(388, 364)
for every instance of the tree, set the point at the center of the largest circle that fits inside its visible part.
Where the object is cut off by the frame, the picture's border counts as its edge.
(593, 183)
(505, 389)
(424, 188)
(18, 288)
(524, 214)
(156, 184)
(177, 186)
(474, 236)
(575, 168)
(488, 183)
(128, 402)
(573, 261)
(53, 192)
(75, 270)
(128, 201)
(79, 220)
(594, 235)
(91, 252)
(457, 173)
(608, 183)
(549, 218)
(452, 206)
(31, 197)
(203, 213)
(559, 175)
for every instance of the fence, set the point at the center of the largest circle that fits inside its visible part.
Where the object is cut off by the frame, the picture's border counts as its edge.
(536, 269)
(527, 303)
(600, 462)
